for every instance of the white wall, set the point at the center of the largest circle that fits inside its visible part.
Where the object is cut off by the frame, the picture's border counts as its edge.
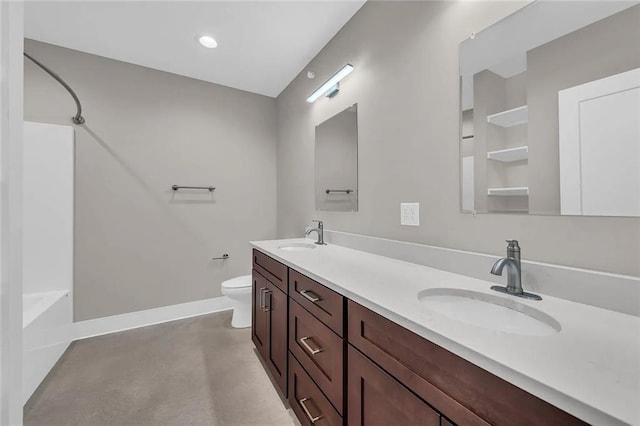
(11, 128)
(48, 178)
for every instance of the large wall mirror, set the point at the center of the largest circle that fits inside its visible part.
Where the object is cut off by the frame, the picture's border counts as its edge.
(336, 162)
(550, 111)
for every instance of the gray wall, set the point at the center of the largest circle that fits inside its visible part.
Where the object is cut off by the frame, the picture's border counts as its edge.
(605, 48)
(138, 245)
(406, 85)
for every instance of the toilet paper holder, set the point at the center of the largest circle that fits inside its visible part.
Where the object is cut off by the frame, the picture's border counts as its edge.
(223, 257)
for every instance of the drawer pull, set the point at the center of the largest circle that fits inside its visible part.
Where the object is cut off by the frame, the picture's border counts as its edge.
(307, 412)
(262, 290)
(309, 295)
(303, 341)
(267, 294)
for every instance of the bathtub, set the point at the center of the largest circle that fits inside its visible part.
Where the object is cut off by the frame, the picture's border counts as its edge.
(47, 248)
(47, 318)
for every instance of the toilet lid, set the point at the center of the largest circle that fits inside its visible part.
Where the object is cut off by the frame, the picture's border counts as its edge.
(238, 282)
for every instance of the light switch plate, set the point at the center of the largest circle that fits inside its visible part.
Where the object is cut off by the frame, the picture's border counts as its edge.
(410, 214)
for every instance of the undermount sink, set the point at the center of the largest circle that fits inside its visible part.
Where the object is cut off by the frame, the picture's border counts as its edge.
(297, 246)
(489, 312)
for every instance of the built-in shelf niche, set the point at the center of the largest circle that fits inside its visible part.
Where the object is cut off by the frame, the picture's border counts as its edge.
(509, 118)
(511, 191)
(511, 154)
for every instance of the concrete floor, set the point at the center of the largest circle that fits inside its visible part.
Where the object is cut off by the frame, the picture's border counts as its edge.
(196, 371)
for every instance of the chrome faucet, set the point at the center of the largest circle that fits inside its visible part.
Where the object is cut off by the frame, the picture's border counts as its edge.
(319, 230)
(514, 273)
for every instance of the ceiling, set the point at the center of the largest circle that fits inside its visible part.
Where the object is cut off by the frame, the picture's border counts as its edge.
(262, 45)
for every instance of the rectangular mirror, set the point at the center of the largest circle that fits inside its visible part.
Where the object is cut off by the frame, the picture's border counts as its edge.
(336, 162)
(550, 111)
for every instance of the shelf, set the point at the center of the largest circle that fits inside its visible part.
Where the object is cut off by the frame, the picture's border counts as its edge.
(516, 190)
(509, 211)
(508, 155)
(509, 118)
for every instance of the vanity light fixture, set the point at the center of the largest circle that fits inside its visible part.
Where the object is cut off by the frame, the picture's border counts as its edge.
(331, 87)
(207, 41)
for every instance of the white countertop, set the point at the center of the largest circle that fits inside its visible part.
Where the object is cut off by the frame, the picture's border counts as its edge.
(591, 368)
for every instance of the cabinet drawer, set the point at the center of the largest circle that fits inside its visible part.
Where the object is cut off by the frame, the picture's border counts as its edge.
(376, 398)
(306, 399)
(320, 351)
(325, 304)
(271, 269)
(462, 391)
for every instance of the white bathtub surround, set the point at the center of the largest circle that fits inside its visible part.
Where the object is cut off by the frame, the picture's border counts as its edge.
(47, 252)
(47, 327)
(605, 290)
(48, 197)
(115, 323)
(589, 368)
(35, 304)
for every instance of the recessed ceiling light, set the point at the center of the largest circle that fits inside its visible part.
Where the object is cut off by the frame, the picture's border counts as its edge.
(208, 42)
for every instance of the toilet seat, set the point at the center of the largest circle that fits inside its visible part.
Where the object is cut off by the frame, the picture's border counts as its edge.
(237, 282)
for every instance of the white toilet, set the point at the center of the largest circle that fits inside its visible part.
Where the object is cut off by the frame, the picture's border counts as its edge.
(238, 289)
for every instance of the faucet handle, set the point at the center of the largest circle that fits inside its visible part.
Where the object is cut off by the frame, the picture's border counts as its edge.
(319, 222)
(512, 245)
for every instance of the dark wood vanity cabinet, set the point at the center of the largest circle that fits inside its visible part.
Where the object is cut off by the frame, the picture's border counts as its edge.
(347, 365)
(376, 398)
(462, 392)
(275, 272)
(258, 316)
(316, 351)
(323, 303)
(307, 400)
(270, 318)
(320, 352)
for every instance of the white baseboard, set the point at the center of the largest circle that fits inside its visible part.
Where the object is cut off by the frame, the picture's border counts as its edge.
(115, 323)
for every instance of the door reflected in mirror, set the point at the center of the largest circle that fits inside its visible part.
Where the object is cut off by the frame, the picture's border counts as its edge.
(550, 111)
(336, 162)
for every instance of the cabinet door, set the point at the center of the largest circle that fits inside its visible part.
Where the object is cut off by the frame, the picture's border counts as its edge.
(258, 316)
(277, 309)
(376, 398)
(460, 390)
